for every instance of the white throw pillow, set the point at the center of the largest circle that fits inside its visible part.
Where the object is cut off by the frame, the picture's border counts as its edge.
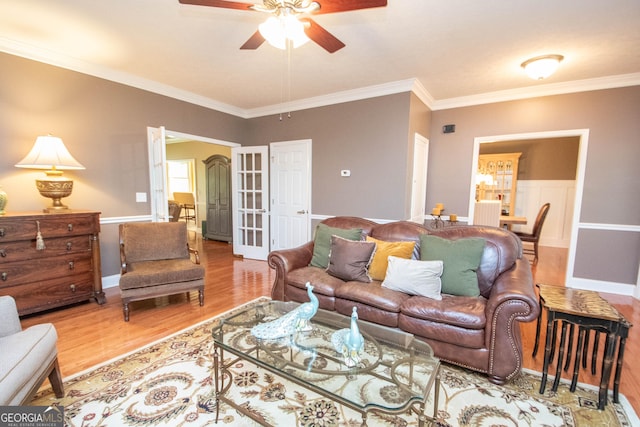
(414, 277)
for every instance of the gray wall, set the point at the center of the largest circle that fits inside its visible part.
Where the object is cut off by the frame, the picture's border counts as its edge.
(611, 176)
(368, 137)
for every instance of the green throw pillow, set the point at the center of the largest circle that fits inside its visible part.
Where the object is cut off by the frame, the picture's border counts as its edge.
(461, 260)
(322, 242)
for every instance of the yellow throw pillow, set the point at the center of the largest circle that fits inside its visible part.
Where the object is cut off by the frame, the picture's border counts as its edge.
(378, 267)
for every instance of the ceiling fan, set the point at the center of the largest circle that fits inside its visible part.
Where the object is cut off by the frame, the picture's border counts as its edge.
(289, 19)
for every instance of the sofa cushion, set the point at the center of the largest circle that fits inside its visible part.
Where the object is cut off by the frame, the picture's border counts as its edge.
(323, 283)
(461, 259)
(152, 273)
(414, 277)
(349, 260)
(322, 242)
(372, 294)
(466, 312)
(378, 267)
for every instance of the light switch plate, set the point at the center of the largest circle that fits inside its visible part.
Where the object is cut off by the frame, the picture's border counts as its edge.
(141, 197)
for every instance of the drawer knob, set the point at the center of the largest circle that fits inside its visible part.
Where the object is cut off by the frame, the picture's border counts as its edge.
(68, 246)
(73, 288)
(3, 253)
(1, 232)
(70, 227)
(71, 265)
(4, 276)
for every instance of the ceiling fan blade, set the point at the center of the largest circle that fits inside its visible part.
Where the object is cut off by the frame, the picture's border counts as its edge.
(219, 3)
(332, 6)
(321, 36)
(254, 42)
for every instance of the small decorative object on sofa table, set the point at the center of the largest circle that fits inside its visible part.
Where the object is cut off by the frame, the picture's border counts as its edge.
(294, 321)
(50, 153)
(349, 342)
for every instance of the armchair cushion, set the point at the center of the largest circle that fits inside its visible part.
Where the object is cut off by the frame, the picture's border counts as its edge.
(153, 273)
(154, 241)
(9, 320)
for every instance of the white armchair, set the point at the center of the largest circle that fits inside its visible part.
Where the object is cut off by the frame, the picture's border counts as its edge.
(27, 357)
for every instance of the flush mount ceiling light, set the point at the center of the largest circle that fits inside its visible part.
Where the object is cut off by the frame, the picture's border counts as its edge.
(541, 67)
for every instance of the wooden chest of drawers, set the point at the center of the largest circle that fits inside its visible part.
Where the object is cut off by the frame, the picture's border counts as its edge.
(66, 271)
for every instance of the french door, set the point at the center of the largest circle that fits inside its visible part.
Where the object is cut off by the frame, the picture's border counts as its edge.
(250, 189)
(157, 170)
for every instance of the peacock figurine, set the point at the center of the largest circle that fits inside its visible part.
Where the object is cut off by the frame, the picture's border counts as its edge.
(296, 320)
(349, 342)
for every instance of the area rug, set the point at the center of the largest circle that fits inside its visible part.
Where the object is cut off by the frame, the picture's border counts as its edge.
(169, 383)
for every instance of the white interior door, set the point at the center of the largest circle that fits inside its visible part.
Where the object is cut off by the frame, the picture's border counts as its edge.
(290, 193)
(157, 170)
(419, 184)
(250, 188)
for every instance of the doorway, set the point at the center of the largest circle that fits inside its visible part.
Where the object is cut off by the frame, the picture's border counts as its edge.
(583, 137)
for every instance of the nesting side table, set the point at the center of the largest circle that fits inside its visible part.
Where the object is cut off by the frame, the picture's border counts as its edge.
(589, 311)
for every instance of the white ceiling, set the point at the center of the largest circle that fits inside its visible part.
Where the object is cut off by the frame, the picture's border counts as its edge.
(450, 52)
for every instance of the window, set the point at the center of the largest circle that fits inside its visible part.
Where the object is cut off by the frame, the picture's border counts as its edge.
(180, 176)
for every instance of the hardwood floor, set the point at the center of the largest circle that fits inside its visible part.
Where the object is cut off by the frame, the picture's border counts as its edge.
(90, 334)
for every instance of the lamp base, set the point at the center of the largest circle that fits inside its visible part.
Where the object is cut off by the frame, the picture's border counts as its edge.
(55, 188)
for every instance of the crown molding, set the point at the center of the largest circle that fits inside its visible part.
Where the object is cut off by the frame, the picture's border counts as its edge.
(334, 98)
(409, 85)
(609, 82)
(63, 61)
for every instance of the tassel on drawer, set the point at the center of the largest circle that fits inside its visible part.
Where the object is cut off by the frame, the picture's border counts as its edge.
(39, 240)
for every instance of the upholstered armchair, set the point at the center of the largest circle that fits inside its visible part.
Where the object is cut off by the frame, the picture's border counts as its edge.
(27, 357)
(156, 261)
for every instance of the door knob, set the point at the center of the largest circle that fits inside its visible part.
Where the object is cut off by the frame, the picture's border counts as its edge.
(302, 212)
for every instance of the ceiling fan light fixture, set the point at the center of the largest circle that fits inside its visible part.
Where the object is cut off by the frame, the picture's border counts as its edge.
(541, 67)
(277, 30)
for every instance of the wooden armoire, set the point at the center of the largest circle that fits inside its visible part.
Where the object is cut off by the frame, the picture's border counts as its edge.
(219, 223)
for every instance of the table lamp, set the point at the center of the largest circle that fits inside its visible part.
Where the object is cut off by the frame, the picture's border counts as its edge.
(50, 153)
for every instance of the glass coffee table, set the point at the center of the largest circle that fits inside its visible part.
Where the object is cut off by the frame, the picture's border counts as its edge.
(397, 373)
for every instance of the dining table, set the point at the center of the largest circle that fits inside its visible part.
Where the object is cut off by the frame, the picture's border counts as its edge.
(509, 220)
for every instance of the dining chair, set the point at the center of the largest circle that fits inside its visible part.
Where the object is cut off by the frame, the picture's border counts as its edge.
(534, 236)
(487, 212)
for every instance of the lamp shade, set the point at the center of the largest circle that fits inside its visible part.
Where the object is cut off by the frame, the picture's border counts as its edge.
(541, 67)
(49, 152)
(277, 30)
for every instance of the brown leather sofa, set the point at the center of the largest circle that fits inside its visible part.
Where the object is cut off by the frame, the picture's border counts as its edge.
(480, 333)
